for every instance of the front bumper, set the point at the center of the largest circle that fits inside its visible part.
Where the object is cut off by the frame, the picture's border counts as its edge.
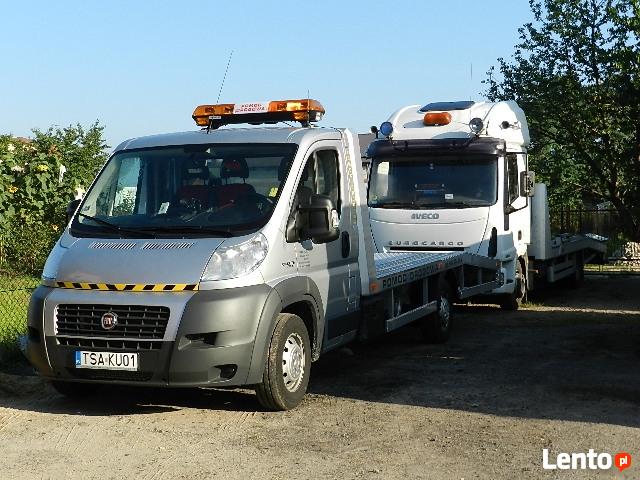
(210, 344)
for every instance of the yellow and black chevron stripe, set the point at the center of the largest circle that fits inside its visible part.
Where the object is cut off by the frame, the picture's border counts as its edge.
(130, 287)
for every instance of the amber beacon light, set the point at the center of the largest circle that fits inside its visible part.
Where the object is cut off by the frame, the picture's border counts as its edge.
(432, 119)
(304, 111)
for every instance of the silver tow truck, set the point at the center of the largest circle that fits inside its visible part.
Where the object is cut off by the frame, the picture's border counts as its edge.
(231, 256)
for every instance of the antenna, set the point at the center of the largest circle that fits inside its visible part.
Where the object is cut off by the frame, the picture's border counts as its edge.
(225, 76)
(471, 80)
(308, 114)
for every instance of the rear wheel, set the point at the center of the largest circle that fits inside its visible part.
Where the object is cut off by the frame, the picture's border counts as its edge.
(75, 390)
(286, 373)
(436, 327)
(513, 300)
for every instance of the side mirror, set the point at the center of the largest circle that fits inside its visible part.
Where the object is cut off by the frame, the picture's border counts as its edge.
(318, 220)
(72, 207)
(527, 182)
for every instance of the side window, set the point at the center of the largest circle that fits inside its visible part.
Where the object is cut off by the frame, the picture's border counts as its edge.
(321, 176)
(512, 171)
(327, 178)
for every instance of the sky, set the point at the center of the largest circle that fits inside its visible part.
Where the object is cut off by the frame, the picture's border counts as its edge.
(141, 67)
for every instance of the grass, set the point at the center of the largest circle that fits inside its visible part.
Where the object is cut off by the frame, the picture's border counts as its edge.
(14, 300)
(613, 269)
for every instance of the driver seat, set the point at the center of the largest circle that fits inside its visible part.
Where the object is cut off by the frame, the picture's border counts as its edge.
(200, 193)
(230, 192)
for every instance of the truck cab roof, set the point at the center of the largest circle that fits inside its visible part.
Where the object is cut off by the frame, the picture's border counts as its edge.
(230, 135)
(501, 120)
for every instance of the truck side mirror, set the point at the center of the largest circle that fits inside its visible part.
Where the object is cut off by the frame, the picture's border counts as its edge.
(318, 220)
(527, 182)
(72, 207)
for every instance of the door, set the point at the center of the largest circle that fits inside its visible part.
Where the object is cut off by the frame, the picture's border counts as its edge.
(330, 265)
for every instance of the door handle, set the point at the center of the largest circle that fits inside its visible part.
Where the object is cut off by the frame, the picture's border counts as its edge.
(346, 244)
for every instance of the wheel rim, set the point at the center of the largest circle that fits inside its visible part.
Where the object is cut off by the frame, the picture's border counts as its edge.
(293, 362)
(444, 314)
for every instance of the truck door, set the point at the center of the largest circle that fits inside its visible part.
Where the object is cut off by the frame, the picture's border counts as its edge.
(330, 265)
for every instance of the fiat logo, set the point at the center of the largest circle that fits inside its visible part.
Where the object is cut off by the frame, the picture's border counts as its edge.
(109, 320)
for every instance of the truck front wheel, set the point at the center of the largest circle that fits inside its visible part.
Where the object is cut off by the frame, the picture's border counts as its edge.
(286, 372)
(512, 301)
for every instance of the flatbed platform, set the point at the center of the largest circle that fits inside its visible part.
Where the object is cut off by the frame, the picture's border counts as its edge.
(395, 269)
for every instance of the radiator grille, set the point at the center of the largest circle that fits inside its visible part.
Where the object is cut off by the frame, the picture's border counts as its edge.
(133, 322)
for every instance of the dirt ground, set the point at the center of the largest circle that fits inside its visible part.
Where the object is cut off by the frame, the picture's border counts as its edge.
(561, 374)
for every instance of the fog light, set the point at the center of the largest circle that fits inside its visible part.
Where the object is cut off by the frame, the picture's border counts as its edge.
(227, 371)
(476, 125)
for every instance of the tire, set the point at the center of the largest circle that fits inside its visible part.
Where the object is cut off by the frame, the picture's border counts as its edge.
(286, 372)
(577, 279)
(74, 390)
(436, 327)
(512, 301)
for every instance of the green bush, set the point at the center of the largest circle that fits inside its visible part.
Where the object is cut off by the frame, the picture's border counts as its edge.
(24, 246)
(38, 178)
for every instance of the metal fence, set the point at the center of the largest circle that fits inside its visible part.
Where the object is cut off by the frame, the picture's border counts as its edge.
(15, 290)
(621, 255)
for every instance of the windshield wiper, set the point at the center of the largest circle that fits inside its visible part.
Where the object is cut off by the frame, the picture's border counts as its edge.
(460, 204)
(113, 226)
(394, 205)
(188, 229)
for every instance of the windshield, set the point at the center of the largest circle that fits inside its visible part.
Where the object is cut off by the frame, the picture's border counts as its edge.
(445, 181)
(214, 190)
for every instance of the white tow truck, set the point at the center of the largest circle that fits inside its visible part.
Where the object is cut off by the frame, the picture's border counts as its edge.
(453, 177)
(232, 256)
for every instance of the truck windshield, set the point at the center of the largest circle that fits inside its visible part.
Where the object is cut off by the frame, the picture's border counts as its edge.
(446, 181)
(193, 190)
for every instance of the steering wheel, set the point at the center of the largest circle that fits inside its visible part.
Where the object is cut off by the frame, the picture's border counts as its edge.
(261, 202)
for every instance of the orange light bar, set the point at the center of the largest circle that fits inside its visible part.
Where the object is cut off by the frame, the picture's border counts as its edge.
(303, 111)
(202, 112)
(432, 119)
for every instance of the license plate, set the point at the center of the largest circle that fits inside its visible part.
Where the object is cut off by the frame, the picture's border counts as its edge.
(107, 360)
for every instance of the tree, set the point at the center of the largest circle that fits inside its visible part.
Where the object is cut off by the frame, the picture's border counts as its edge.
(82, 151)
(576, 74)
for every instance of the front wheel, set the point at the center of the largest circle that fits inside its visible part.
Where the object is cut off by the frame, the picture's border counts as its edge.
(286, 373)
(512, 301)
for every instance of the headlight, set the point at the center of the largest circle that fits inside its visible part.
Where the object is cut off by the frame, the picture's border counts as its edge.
(50, 271)
(238, 260)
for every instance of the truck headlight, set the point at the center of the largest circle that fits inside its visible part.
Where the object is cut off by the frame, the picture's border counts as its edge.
(238, 260)
(51, 266)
